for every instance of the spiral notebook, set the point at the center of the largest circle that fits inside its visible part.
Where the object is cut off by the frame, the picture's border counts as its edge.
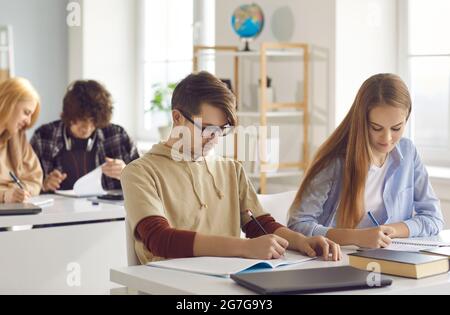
(417, 244)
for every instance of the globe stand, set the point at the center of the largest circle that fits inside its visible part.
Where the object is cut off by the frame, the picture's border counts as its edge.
(246, 44)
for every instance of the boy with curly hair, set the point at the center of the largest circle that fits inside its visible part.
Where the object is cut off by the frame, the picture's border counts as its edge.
(83, 140)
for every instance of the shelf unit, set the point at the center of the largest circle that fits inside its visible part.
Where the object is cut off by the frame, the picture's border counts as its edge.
(243, 114)
(224, 51)
(279, 174)
(266, 109)
(6, 53)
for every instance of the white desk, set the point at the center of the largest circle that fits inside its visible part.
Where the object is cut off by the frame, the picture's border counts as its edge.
(163, 281)
(73, 240)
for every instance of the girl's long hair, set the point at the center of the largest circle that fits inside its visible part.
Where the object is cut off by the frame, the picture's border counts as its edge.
(13, 91)
(350, 141)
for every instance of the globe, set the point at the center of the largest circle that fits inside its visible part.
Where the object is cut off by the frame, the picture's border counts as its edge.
(247, 22)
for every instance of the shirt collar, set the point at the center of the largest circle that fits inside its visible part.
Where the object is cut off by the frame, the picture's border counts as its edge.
(396, 153)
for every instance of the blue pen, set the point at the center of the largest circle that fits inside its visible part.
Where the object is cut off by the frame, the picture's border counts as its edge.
(16, 180)
(372, 218)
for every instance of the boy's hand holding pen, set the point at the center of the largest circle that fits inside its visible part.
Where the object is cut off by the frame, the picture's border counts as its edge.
(268, 246)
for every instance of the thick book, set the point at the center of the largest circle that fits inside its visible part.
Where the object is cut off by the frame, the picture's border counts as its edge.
(226, 266)
(399, 263)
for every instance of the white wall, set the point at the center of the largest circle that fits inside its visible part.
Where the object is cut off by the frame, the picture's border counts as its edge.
(441, 186)
(40, 45)
(105, 47)
(366, 44)
(204, 22)
(75, 45)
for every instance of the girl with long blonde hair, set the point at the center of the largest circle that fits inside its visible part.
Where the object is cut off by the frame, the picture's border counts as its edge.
(367, 184)
(19, 110)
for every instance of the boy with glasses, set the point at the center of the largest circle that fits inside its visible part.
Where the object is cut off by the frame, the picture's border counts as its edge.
(183, 202)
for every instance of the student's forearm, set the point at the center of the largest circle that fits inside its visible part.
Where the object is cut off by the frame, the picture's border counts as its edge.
(343, 237)
(209, 245)
(292, 237)
(401, 230)
(340, 236)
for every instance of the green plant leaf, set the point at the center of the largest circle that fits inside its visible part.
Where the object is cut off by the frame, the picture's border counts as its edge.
(162, 96)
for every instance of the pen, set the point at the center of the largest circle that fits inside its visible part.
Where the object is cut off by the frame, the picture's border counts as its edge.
(16, 180)
(372, 218)
(249, 212)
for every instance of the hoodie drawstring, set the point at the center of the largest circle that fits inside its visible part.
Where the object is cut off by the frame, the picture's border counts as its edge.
(219, 193)
(202, 203)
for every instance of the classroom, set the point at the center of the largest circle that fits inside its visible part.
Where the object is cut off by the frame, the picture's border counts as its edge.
(224, 147)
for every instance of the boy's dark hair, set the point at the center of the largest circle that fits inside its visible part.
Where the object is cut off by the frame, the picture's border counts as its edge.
(204, 88)
(87, 99)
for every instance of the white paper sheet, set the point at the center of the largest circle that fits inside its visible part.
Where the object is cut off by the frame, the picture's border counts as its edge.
(41, 201)
(87, 186)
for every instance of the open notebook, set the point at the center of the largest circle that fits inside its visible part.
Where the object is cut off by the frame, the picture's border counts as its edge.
(418, 243)
(226, 266)
(87, 186)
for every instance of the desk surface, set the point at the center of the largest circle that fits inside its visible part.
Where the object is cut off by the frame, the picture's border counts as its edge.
(67, 210)
(163, 281)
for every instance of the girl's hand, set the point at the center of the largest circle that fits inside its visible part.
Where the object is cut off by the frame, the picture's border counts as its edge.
(378, 237)
(16, 195)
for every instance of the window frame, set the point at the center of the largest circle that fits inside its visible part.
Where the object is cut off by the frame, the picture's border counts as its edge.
(430, 155)
(143, 134)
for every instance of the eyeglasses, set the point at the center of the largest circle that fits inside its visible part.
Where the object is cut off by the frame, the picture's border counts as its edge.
(210, 131)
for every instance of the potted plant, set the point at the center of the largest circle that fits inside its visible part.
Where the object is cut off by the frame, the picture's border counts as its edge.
(161, 103)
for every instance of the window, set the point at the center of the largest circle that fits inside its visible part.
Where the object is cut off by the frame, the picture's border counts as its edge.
(426, 62)
(166, 45)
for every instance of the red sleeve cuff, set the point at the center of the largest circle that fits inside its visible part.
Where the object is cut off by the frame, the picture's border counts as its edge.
(163, 241)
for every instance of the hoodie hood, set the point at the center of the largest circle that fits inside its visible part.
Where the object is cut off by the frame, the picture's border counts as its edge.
(189, 165)
(164, 150)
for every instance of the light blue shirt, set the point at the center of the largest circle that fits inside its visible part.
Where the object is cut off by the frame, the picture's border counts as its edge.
(407, 194)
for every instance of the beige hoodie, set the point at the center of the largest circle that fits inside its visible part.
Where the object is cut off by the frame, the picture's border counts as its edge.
(209, 195)
(17, 155)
